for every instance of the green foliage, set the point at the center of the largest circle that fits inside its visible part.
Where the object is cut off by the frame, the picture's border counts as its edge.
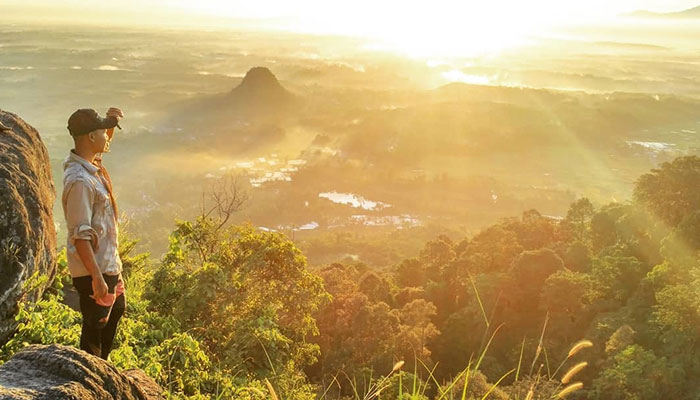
(604, 231)
(534, 266)
(672, 191)
(566, 296)
(405, 386)
(635, 373)
(185, 364)
(617, 276)
(682, 245)
(411, 273)
(578, 257)
(246, 294)
(477, 387)
(578, 218)
(46, 321)
(492, 249)
(232, 312)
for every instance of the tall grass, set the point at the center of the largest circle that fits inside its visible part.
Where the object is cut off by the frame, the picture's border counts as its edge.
(456, 390)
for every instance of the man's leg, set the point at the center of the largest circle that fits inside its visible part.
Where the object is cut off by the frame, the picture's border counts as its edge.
(90, 336)
(110, 330)
(91, 339)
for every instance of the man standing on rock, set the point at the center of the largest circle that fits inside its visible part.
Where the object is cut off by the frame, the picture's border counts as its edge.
(91, 219)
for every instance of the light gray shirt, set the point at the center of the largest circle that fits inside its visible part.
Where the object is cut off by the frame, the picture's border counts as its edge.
(90, 215)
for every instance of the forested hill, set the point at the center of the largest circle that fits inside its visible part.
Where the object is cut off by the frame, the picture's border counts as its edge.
(604, 303)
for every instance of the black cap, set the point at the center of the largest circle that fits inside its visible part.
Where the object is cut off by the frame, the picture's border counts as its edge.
(4, 127)
(86, 120)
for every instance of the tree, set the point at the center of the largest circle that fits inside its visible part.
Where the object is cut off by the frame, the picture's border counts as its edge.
(417, 329)
(677, 310)
(579, 218)
(635, 373)
(671, 192)
(355, 333)
(620, 340)
(533, 230)
(682, 245)
(616, 277)
(523, 286)
(566, 297)
(407, 295)
(531, 268)
(410, 273)
(435, 255)
(372, 340)
(603, 226)
(493, 249)
(375, 287)
(578, 257)
(252, 300)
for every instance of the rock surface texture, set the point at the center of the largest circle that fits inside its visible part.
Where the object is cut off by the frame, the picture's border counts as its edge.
(27, 231)
(60, 373)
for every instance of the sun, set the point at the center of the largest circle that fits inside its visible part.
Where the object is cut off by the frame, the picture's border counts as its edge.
(437, 28)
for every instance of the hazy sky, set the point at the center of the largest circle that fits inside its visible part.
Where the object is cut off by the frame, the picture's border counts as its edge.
(343, 10)
(417, 26)
(272, 8)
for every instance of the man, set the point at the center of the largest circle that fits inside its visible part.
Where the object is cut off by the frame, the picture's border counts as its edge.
(91, 219)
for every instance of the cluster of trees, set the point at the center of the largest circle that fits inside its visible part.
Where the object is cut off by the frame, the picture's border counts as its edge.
(625, 276)
(233, 312)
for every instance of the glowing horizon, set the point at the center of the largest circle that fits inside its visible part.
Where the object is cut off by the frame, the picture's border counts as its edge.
(435, 29)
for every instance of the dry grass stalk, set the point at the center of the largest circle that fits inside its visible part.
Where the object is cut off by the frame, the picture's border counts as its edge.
(582, 344)
(573, 371)
(570, 389)
(397, 366)
(273, 394)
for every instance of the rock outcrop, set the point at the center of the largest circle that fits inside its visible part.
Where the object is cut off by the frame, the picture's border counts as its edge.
(27, 231)
(60, 373)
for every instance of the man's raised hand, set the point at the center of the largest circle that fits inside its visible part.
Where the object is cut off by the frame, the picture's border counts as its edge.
(115, 112)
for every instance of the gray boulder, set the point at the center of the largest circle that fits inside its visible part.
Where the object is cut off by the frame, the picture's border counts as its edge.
(27, 231)
(61, 373)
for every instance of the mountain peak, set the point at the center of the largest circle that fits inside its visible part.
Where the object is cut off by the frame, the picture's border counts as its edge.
(260, 89)
(260, 77)
(260, 82)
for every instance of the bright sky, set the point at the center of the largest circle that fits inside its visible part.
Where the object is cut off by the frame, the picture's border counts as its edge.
(333, 9)
(276, 8)
(467, 26)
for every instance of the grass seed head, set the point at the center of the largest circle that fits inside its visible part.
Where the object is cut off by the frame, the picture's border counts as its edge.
(397, 366)
(569, 389)
(582, 344)
(573, 371)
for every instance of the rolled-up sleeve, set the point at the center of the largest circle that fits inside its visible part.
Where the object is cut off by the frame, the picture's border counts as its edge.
(78, 209)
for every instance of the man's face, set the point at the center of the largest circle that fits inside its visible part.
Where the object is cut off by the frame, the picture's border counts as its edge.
(100, 140)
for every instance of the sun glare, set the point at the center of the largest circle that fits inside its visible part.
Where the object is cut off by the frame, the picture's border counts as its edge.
(436, 29)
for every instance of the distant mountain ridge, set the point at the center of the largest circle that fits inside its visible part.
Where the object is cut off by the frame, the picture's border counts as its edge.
(690, 13)
(260, 86)
(259, 96)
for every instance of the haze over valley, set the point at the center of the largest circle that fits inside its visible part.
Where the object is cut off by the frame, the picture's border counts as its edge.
(331, 135)
(372, 200)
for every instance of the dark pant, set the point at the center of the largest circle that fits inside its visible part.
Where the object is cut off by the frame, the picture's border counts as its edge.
(97, 335)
